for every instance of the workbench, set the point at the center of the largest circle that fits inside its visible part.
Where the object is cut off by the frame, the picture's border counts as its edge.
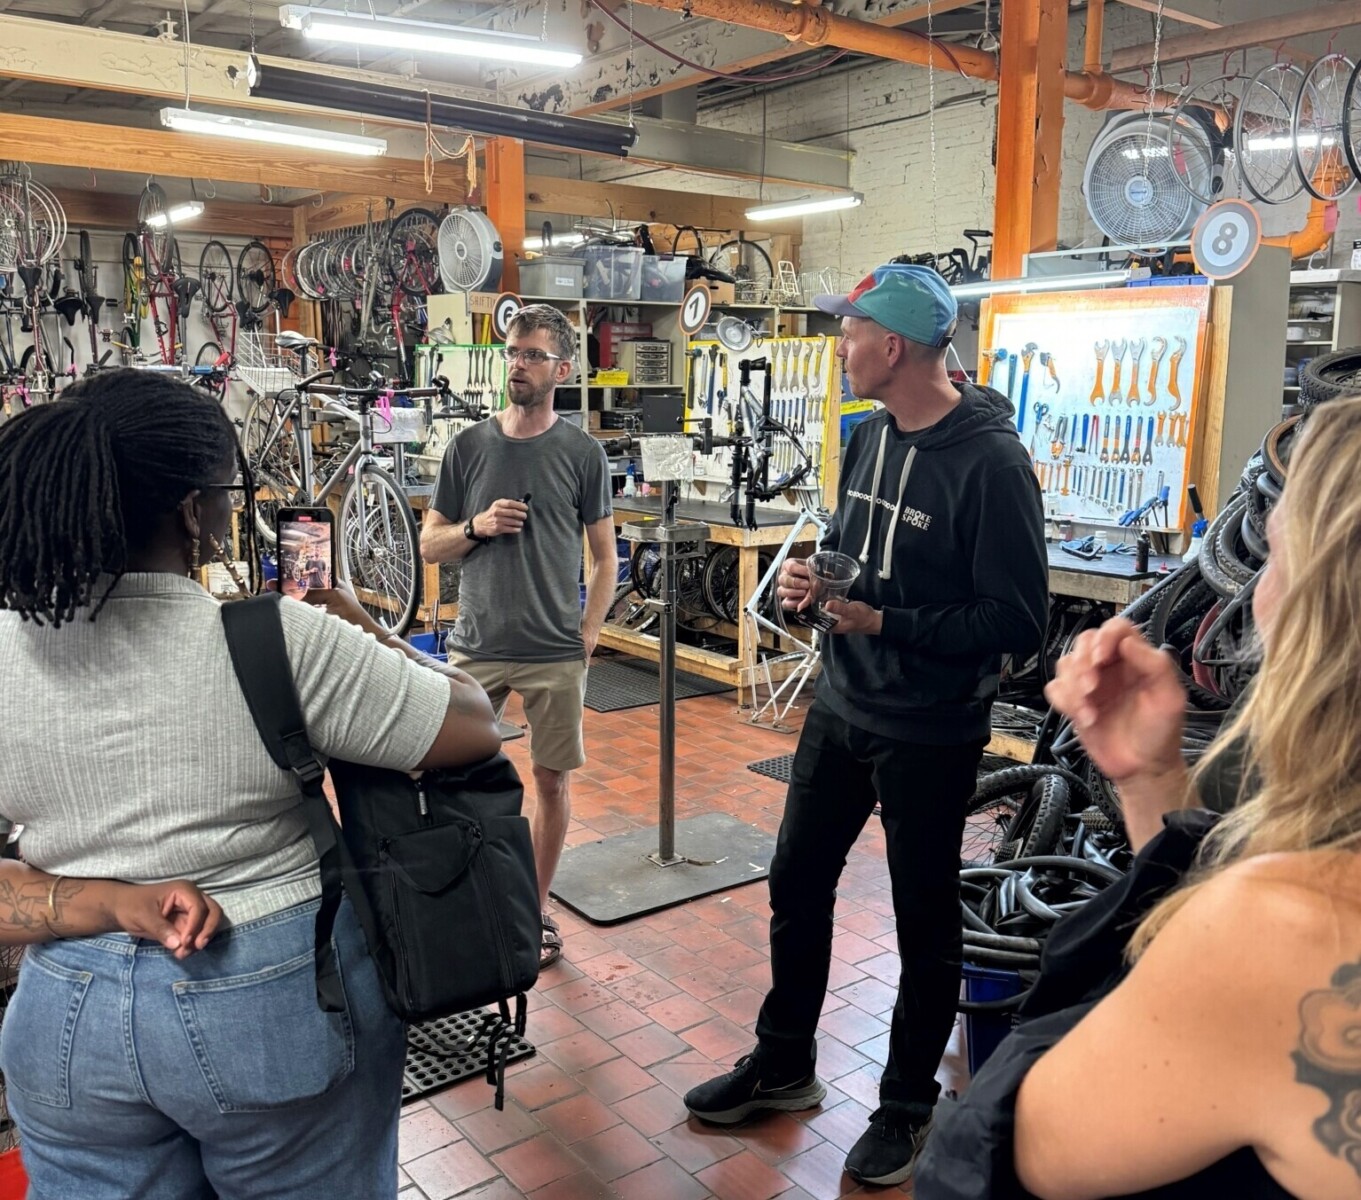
(1110, 579)
(772, 527)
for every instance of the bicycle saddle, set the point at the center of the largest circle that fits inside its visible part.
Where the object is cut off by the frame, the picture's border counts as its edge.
(290, 339)
(284, 298)
(186, 288)
(70, 306)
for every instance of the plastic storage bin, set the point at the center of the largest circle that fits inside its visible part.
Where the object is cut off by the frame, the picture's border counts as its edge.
(431, 643)
(983, 1032)
(612, 272)
(555, 276)
(663, 278)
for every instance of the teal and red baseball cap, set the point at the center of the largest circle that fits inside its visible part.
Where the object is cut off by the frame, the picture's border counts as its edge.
(905, 299)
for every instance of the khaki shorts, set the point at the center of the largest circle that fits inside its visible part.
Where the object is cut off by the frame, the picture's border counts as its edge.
(554, 695)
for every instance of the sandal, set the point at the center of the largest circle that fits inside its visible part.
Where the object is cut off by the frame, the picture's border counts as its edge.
(552, 943)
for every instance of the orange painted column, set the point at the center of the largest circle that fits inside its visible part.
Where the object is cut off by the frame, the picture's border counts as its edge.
(505, 194)
(1029, 131)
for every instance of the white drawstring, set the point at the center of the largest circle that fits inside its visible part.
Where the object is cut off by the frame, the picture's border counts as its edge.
(886, 565)
(874, 493)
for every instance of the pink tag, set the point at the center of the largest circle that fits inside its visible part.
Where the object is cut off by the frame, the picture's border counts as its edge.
(1330, 218)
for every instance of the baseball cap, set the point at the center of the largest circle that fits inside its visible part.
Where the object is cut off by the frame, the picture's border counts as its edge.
(905, 299)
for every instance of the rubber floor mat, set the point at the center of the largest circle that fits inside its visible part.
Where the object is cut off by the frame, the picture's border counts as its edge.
(445, 1051)
(776, 768)
(616, 683)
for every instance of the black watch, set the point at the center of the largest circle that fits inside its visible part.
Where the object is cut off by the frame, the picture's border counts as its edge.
(471, 534)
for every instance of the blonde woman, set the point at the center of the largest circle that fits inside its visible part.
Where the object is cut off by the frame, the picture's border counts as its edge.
(1228, 1061)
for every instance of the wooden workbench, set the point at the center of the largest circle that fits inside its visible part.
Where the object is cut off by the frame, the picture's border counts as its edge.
(772, 527)
(1110, 579)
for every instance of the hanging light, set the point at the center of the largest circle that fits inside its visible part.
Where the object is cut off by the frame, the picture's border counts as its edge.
(395, 33)
(246, 129)
(1049, 283)
(177, 214)
(806, 207)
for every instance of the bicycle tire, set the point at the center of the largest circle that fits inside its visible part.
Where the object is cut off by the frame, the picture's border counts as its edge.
(1314, 94)
(153, 203)
(391, 570)
(412, 252)
(256, 281)
(217, 277)
(85, 267)
(1037, 827)
(1267, 194)
(277, 469)
(749, 275)
(1331, 377)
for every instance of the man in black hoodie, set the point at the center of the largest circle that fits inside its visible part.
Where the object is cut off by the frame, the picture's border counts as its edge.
(939, 506)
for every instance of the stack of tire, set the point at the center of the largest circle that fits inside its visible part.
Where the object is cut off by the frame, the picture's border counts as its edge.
(1062, 808)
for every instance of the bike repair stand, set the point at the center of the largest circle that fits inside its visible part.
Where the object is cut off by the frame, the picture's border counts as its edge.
(621, 877)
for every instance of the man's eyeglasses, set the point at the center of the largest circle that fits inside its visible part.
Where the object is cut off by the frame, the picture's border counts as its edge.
(236, 485)
(534, 358)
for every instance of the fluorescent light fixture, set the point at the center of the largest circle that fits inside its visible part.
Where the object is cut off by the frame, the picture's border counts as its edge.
(805, 207)
(560, 241)
(1049, 283)
(1307, 141)
(395, 33)
(246, 129)
(177, 214)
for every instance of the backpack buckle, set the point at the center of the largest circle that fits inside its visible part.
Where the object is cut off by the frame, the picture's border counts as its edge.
(301, 760)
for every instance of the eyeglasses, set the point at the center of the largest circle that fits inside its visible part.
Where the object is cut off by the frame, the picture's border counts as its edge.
(534, 358)
(236, 485)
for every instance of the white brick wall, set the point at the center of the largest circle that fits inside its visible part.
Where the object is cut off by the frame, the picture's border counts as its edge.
(890, 137)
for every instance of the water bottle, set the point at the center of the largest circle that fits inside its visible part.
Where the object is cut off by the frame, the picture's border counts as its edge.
(630, 482)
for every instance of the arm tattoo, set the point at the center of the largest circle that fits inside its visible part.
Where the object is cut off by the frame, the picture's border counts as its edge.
(24, 907)
(1329, 1058)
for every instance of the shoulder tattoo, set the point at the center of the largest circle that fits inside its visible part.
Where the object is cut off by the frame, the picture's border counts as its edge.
(1329, 1058)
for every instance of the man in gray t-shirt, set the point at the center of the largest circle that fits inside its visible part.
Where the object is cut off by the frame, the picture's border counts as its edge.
(514, 495)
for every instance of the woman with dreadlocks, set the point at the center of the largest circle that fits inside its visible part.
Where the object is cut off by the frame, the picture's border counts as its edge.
(165, 1040)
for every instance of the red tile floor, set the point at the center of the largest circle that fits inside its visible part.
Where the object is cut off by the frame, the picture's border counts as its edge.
(637, 1013)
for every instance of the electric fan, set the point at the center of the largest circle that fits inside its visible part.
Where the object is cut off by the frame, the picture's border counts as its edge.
(1135, 194)
(469, 251)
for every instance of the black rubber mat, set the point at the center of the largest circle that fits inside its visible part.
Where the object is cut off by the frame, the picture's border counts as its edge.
(615, 683)
(776, 768)
(442, 1052)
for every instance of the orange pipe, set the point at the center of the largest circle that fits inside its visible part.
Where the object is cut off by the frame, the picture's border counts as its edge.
(1096, 23)
(1313, 235)
(814, 25)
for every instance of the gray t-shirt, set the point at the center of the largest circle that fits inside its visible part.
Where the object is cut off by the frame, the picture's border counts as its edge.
(132, 755)
(517, 598)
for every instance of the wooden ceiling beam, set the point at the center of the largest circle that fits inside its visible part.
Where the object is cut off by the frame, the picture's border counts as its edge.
(62, 143)
(225, 218)
(1271, 32)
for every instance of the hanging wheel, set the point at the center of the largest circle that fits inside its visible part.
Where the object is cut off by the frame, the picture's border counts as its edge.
(255, 282)
(1318, 129)
(1262, 133)
(750, 265)
(216, 276)
(156, 237)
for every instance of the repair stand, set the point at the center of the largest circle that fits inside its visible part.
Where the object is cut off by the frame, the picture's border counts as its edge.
(619, 878)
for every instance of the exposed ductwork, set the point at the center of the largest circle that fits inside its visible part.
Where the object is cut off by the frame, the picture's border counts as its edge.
(814, 25)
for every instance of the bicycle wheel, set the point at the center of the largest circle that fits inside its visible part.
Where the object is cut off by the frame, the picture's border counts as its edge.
(216, 277)
(380, 547)
(1263, 137)
(153, 221)
(1189, 130)
(85, 268)
(271, 447)
(208, 355)
(1318, 129)
(255, 282)
(750, 265)
(413, 251)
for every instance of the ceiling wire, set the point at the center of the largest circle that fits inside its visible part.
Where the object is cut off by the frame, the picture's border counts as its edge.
(184, 5)
(931, 122)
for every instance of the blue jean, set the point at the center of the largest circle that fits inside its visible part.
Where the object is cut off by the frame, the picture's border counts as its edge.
(135, 1077)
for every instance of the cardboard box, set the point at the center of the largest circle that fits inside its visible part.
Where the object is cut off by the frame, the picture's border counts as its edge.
(722, 293)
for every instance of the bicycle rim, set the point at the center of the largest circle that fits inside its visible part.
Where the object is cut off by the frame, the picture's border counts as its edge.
(1263, 139)
(275, 461)
(379, 548)
(216, 277)
(1318, 129)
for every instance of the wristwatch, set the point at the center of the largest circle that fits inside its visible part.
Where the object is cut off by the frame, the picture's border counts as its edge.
(471, 534)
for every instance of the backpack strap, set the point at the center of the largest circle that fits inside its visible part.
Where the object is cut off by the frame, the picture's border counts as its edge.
(255, 639)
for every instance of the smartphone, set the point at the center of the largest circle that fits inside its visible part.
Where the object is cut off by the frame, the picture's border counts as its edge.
(306, 550)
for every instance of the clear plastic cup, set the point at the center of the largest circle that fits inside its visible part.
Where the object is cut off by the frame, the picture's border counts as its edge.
(830, 575)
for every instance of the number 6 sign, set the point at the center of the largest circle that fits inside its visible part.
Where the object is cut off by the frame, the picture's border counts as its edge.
(1226, 238)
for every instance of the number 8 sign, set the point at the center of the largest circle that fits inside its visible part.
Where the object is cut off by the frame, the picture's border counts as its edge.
(1226, 238)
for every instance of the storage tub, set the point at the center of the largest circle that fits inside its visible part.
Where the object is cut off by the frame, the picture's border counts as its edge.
(555, 276)
(663, 278)
(983, 1032)
(612, 272)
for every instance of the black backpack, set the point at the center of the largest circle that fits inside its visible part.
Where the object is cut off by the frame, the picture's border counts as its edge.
(439, 869)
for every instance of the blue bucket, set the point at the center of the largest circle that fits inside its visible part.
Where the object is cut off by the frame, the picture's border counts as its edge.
(983, 1032)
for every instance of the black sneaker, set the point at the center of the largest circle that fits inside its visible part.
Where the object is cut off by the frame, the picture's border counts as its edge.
(735, 1096)
(887, 1149)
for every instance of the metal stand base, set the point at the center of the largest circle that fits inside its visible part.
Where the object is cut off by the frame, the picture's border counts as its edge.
(619, 878)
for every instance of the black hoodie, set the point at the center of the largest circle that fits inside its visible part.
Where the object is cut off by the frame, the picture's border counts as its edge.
(952, 550)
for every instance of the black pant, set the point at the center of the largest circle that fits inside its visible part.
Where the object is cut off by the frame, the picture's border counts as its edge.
(839, 773)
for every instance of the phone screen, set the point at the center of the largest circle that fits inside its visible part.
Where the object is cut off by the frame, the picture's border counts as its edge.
(306, 554)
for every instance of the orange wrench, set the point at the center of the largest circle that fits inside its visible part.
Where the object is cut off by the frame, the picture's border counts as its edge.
(1173, 368)
(1099, 391)
(1159, 349)
(1136, 356)
(1118, 353)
